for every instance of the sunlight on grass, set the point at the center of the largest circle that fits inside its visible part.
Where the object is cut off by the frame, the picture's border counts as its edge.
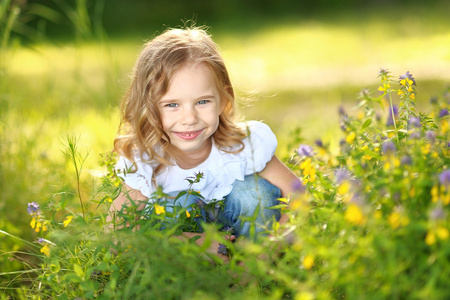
(318, 55)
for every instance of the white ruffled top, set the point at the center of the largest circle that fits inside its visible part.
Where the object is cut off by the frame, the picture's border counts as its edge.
(220, 170)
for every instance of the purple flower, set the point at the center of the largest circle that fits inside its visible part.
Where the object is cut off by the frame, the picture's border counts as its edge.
(383, 72)
(298, 187)
(199, 203)
(438, 213)
(388, 147)
(415, 135)
(444, 112)
(342, 111)
(33, 208)
(222, 249)
(431, 136)
(406, 160)
(409, 76)
(444, 178)
(415, 122)
(305, 150)
(319, 143)
(41, 240)
(390, 120)
(341, 174)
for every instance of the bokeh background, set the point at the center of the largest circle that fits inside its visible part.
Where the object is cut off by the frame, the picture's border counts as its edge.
(64, 66)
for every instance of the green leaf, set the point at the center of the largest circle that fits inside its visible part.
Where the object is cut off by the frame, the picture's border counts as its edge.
(366, 124)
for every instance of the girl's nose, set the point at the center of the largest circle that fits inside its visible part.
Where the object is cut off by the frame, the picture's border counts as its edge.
(189, 116)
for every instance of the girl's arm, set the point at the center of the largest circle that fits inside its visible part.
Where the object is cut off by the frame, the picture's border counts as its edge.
(123, 199)
(278, 174)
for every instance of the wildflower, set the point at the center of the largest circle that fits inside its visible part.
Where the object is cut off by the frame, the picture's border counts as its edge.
(388, 147)
(222, 249)
(33, 208)
(444, 178)
(390, 120)
(354, 215)
(344, 188)
(299, 187)
(46, 250)
(396, 220)
(308, 262)
(406, 160)
(319, 143)
(305, 150)
(431, 136)
(199, 203)
(437, 214)
(415, 122)
(351, 137)
(188, 214)
(159, 209)
(383, 73)
(442, 233)
(67, 221)
(408, 78)
(430, 238)
(444, 112)
(384, 87)
(342, 111)
(308, 169)
(341, 174)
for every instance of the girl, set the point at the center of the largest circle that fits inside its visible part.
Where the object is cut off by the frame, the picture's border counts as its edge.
(177, 121)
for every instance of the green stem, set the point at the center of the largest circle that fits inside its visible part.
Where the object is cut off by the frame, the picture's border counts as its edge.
(393, 115)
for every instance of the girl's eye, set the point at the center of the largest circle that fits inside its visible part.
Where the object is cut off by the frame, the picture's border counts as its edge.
(171, 105)
(202, 102)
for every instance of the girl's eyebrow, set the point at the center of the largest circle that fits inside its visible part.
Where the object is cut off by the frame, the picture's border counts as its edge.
(208, 96)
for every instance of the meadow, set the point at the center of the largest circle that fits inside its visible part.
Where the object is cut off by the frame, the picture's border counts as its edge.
(58, 113)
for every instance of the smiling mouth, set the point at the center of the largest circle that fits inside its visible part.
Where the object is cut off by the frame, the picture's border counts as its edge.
(188, 135)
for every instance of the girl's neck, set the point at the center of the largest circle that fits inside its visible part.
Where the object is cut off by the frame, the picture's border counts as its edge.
(190, 159)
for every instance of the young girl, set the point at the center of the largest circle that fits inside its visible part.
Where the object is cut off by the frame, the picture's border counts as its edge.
(177, 121)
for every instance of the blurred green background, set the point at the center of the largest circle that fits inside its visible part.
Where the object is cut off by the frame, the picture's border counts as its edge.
(64, 66)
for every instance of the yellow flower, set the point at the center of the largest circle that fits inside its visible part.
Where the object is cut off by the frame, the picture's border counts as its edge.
(344, 187)
(367, 157)
(412, 96)
(45, 250)
(354, 215)
(444, 126)
(385, 87)
(38, 226)
(395, 219)
(188, 214)
(442, 233)
(430, 238)
(400, 92)
(434, 194)
(159, 209)
(312, 175)
(403, 82)
(351, 137)
(67, 221)
(33, 223)
(425, 149)
(378, 214)
(308, 262)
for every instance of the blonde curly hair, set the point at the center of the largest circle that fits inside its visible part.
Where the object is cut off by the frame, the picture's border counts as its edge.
(140, 130)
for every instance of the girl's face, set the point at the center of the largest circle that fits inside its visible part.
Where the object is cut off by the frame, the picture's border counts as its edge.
(190, 109)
